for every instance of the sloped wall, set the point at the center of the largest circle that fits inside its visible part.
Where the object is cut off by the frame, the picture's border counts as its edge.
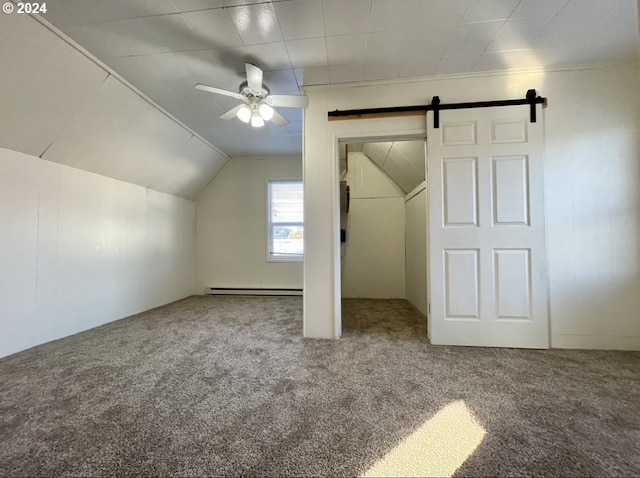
(59, 104)
(78, 250)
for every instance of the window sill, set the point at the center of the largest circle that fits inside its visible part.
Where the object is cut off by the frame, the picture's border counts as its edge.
(285, 259)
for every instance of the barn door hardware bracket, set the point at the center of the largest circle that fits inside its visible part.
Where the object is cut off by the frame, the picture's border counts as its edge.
(530, 99)
(435, 104)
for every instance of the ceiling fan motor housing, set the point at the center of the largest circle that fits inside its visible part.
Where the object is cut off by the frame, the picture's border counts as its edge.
(249, 93)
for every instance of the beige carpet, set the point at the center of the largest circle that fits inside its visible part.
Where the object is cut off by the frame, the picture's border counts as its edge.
(227, 386)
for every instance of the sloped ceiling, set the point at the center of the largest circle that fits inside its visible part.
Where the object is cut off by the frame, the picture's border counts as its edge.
(165, 47)
(402, 161)
(61, 106)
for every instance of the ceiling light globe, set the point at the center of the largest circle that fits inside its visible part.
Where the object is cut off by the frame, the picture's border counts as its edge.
(257, 121)
(265, 111)
(244, 114)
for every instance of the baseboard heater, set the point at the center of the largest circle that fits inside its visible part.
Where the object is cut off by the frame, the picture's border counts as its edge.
(245, 291)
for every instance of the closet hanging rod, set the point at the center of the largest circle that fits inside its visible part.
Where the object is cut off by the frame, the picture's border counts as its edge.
(435, 106)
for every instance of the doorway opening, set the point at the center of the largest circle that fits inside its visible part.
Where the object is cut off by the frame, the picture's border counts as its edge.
(383, 248)
(485, 252)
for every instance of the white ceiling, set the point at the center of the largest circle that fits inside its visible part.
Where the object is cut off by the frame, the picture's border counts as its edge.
(402, 161)
(165, 47)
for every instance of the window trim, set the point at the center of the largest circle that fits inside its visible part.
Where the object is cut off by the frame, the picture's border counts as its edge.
(269, 225)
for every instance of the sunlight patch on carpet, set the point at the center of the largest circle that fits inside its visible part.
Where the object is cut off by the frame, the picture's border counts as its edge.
(438, 448)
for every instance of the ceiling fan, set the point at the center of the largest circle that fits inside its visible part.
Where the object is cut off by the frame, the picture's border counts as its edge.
(257, 106)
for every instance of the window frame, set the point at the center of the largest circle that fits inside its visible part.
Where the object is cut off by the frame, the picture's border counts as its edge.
(270, 257)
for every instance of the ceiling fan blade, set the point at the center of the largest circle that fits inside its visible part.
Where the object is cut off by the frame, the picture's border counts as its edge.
(219, 91)
(231, 113)
(254, 77)
(278, 119)
(288, 101)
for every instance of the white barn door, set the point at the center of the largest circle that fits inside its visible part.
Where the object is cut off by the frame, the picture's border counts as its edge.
(486, 229)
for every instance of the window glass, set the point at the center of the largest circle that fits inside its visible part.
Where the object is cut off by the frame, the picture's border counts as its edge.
(286, 227)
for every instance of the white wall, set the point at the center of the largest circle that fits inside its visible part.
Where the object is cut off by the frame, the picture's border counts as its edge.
(592, 187)
(373, 259)
(592, 194)
(78, 250)
(416, 247)
(231, 232)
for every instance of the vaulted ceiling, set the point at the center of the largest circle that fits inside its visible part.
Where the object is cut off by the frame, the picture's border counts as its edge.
(165, 47)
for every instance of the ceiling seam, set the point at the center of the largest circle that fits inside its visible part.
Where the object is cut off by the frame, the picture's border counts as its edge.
(212, 179)
(191, 29)
(554, 17)
(141, 17)
(497, 32)
(170, 14)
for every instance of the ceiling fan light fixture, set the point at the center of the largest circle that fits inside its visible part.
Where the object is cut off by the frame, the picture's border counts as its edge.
(245, 113)
(259, 105)
(265, 111)
(256, 120)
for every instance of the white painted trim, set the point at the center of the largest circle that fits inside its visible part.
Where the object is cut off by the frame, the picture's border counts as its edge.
(417, 190)
(337, 248)
(234, 291)
(410, 135)
(598, 342)
(348, 131)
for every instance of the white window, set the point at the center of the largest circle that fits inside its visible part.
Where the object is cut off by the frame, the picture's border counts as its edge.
(285, 224)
